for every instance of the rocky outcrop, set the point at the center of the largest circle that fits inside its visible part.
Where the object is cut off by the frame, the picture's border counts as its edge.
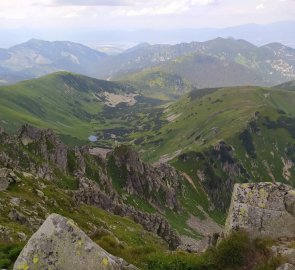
(45, 143)
(90, 193)
(146, 181)
(43, 155)
(263, 210)
(60, 245)
(7, 177)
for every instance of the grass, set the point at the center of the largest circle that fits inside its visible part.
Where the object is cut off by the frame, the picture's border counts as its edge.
(9, 253)
(135, 242)
(236, 251)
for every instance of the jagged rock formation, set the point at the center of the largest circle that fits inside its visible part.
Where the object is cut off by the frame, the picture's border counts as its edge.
(146, 181)
(262, 209)
(42, 154)
(46, 144)
(60, 245)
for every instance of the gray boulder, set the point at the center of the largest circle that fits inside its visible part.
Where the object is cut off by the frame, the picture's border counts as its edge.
(263, 210)
(60, 245)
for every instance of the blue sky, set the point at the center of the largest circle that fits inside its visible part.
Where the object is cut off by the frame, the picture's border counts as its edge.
(142, 14)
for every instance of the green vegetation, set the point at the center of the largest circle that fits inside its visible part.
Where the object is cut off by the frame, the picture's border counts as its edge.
(160, 85)
(118, 235)
(8, 254)
(234, 252)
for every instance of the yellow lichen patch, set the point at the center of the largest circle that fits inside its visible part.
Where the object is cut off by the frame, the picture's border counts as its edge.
(23, 266)
(105, 261)
(243, 213)
(71, 223)
(250, 195)
(262, 197)
(80, 243)
(245, 185)
(35, 259)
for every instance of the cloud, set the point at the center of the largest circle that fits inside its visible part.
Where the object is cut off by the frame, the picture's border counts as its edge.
(261, 6)
(93, 2)
(138, 3)
(164, 7)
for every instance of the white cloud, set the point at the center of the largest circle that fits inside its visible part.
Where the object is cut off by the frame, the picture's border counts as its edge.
(164, 7)
(136, 14)
(261, 6)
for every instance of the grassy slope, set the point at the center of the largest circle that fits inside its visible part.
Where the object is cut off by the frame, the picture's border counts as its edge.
(62, 101)
(212, 115)
(155, 83)
(118, 235)
(217, 115)
(68, 104)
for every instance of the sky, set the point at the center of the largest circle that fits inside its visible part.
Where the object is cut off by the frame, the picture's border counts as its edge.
(141, 14)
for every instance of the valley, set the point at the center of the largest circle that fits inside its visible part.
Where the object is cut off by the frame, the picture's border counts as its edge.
(150, 163)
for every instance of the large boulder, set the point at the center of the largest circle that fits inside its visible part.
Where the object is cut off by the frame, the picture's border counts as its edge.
(60, 245)
(263, 210)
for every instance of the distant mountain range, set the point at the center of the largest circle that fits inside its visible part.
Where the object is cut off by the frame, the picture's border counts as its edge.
(37, 57)
(258, 34)
(214, 63)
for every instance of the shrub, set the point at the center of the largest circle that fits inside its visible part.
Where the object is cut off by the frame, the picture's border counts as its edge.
(8, 254)
(271, 264)
(232, 251)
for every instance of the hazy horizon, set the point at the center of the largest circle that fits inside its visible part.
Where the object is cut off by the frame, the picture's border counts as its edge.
(129, 22)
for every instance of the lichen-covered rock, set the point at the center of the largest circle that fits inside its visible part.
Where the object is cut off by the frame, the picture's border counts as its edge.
(262, 209)
(60, 245)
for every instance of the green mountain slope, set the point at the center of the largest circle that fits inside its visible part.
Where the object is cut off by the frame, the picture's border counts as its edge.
(227, 135)
(158, 84)
(36, 58)
(290, 86)
(214, 63)
(74, 105)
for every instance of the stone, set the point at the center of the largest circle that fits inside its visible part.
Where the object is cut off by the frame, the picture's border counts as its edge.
(7, 177)
(22, 236)
(286, 266)
(60, 245)
(262, 210)
(287, 253)
(15, 201)
(40, 193)
(16, 216)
